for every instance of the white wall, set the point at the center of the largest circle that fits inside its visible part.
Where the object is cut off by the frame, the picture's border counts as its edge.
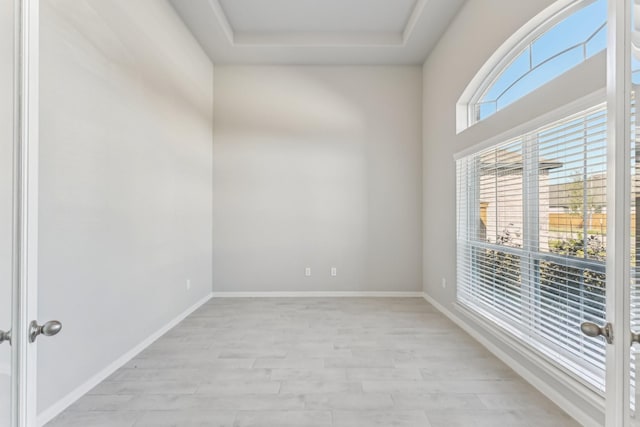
(6, 195)
(317, 167)
(125, 190)
(480, 28)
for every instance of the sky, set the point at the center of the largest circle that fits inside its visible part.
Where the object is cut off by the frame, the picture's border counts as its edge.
(577, 37)
(554, 52)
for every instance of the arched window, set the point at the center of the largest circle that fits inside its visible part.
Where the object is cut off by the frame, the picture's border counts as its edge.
(532, 198)
(567, 39)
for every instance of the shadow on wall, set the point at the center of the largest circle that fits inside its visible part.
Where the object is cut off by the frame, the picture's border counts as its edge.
(308, 162)
(289, 158)
(291, 103)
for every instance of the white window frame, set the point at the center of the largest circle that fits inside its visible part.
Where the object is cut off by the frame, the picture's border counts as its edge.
(504, 56)
(487, 321)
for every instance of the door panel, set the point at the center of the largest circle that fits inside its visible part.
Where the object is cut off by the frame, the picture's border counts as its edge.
(622, 286)
(624, 64)
(6, 198)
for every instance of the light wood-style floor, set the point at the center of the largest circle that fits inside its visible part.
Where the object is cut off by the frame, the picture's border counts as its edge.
(315, 362)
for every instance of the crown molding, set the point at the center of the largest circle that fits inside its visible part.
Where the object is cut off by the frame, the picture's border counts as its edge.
(318, 39)
(223, 20)
(418, 8)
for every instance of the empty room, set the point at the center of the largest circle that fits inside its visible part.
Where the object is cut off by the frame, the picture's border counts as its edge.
(319, 213)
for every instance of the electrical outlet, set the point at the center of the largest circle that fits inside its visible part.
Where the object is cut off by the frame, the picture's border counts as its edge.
(307, 271)
(444, 283)
(188, 284)
(334, 271)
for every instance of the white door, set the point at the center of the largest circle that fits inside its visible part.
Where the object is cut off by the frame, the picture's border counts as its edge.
(18, 212)
(623, 215)
(6, 206)
(630, 345)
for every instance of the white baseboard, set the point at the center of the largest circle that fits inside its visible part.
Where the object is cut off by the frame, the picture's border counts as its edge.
(55, 409)
(554, 395)
(317, 294)
(51, 412)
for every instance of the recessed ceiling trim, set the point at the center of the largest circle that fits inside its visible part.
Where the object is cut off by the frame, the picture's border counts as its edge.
(408, 34)
(413, 20)
(223, 20)
(318, 39)
(322, 39)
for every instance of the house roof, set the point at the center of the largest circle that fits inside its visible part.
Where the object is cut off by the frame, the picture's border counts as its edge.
(506, 161)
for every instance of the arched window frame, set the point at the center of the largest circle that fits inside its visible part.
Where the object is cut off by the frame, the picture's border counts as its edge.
(520, 118)
(506, 54)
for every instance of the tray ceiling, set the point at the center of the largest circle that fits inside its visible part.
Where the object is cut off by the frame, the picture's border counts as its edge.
(317, 31)
(260, 16)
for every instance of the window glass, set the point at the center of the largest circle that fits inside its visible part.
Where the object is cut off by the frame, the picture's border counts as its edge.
(541, 75)
(532, 220)
(567, 44)
(574, 30)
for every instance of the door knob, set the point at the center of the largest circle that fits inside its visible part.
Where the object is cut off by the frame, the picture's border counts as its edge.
(49, 329)
(5, 336)
(593, 330)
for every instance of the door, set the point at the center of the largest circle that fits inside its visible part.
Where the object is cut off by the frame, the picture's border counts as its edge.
(631, 382)
(623, 265)
(6, 203)
(18, 212)
(622, 396)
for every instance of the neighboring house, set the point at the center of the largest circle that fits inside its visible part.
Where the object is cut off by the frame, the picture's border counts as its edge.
(501, 197)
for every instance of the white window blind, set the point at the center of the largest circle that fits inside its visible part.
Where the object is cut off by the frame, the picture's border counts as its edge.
(531, 239)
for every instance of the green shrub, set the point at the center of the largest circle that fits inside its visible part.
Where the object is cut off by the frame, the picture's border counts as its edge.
(565, 289)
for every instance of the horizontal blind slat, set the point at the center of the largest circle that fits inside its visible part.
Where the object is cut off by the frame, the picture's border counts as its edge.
(540, 266)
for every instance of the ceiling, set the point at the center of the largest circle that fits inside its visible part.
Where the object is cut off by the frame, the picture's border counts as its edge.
(317, 31)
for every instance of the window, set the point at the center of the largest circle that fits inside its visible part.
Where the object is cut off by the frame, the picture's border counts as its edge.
(540, 58)
(531, 238)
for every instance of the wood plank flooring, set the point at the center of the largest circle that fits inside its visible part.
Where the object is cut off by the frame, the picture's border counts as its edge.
(314, 362)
